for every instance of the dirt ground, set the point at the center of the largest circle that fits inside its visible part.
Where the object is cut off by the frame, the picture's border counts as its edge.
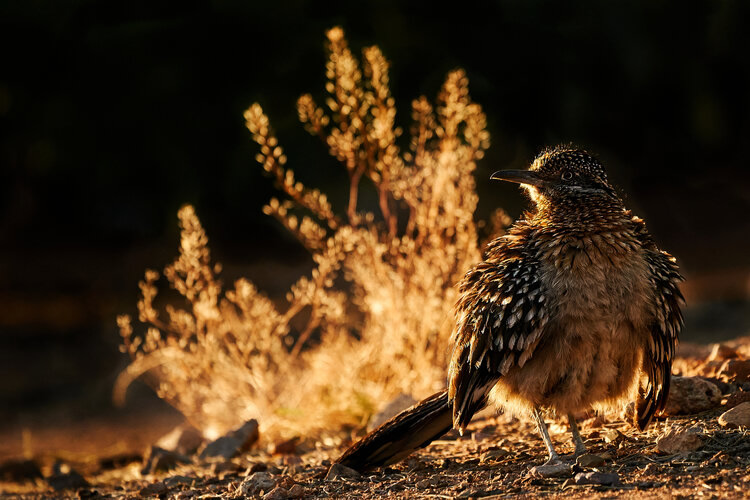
(492, 460)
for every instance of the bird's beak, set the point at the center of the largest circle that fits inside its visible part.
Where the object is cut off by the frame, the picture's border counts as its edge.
(520, 176)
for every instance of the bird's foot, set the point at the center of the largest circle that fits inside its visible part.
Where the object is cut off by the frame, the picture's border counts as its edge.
(554, 467)
(580, 450)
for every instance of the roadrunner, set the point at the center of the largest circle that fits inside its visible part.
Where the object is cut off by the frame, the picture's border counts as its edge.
(574, 308)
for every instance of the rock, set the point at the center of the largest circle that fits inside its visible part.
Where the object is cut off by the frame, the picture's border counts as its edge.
(286, 447)
(737, 398)
(393, 408)
(256, 467)
(278, 493)
(292, 463)
(18, 471)
(65, 478)
(735, 371)
(557, 469)
(677, 440)
(184, 439)
(493, 455)
(688, 395)
(338, 471)
(590, 460)
(233, 443)
(739, 416)
(600, 478)
(159, 459)
(286, 482)
(226, 468)
(722, 352)
(257, 483)
(296, 491)
(179, 480)
(154, 489)
(611, 435)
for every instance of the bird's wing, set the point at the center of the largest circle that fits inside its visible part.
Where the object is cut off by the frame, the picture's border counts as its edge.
(665, 327)
(500, 319)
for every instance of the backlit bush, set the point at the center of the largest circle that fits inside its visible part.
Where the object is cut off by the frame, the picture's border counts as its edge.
(231, 354)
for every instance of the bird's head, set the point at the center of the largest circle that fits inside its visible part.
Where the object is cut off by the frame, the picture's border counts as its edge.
(561, 175)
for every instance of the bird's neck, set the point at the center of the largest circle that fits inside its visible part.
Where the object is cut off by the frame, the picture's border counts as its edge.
(601, 214)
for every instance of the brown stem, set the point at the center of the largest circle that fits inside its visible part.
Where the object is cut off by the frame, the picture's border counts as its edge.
(354, 178)
(412, 220)
(314, 322)
(385, 208)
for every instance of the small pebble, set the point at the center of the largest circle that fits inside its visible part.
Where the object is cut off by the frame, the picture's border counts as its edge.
(154, 489)
(338, 471)
(739, 416)
(600, 478)
(278, 493)
(590, 460)
(296, 491)
(677, 440)
(560, 469)
(257, 483)
(611, 435)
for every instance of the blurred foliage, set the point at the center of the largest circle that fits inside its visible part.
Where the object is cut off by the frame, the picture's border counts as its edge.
(378, 302)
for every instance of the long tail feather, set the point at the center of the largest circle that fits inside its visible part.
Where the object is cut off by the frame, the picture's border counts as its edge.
(397, 438)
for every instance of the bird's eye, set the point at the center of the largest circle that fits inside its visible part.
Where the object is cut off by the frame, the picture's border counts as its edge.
(567, 175)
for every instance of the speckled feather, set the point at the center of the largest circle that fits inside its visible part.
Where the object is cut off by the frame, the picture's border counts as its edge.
(507, 307)
(667, 323)
(500, 316)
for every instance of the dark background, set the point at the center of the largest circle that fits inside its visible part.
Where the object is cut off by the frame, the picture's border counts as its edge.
(113, 114)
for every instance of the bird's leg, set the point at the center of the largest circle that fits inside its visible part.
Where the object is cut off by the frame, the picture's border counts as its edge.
(577, 441)
(553, 456)
(554, 467)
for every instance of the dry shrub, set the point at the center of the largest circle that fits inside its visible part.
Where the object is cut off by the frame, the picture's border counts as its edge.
(231, 355)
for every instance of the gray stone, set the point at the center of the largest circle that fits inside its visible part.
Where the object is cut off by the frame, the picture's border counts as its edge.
(154, 489)
(179, 480)
(65, 478)
(556, 469)
(590, 460)
(493, 455)
(233, 443)
(184, 439)
(159, 459)
(688, 395)
(296, 491)
(599, 478)
(257, 483)
(677, 440)
(611, 435)
(739, 416)
(278, 493)
(338, 471)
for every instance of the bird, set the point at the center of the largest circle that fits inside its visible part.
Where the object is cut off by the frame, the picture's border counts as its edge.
(574, 308)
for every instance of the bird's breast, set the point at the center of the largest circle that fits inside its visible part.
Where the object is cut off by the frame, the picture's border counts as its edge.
(591, 350)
